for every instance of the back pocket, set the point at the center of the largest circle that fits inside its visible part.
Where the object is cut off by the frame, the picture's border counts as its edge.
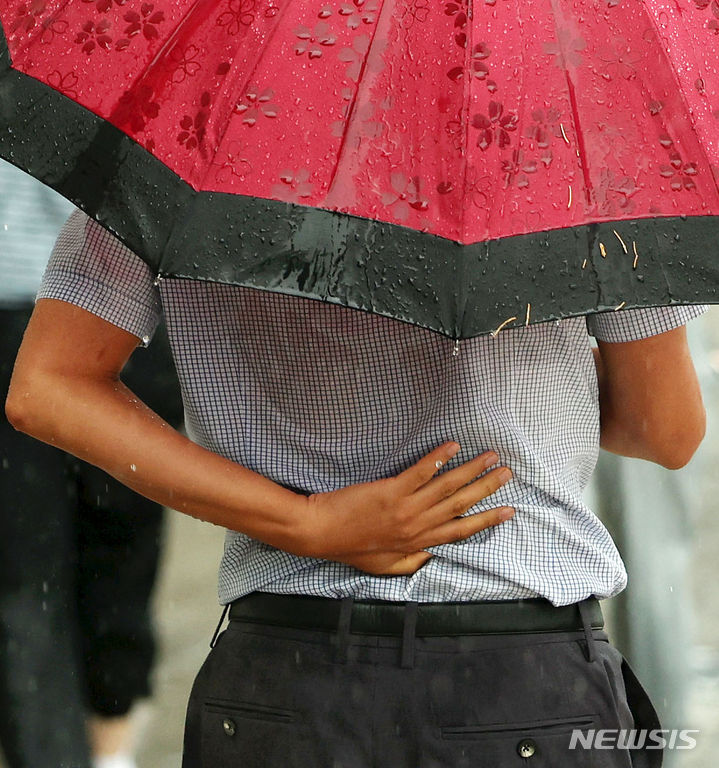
(551, 743)
(250, 735)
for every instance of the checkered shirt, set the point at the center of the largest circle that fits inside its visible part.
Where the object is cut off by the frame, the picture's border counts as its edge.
(316, 396)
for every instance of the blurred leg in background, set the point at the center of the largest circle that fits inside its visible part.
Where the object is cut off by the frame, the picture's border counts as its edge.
(78, 561)
(41, 693)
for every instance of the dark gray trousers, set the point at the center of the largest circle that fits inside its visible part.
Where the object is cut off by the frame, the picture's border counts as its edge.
(274, 697)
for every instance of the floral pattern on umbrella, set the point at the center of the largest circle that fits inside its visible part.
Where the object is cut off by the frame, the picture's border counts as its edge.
(580, 111)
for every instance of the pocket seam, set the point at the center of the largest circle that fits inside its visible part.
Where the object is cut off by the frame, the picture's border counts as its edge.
(556, 726)
(249, 710)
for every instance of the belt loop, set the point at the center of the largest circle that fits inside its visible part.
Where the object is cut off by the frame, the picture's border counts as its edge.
(408, 634)
(587, 626)
(343, 630)
(219, 624)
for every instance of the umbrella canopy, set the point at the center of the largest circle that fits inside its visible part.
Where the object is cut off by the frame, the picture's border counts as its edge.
(452, 164)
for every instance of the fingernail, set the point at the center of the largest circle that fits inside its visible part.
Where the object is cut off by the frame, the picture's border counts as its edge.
(505, 513)
(453, 449)
(491, 458)
(505, 474)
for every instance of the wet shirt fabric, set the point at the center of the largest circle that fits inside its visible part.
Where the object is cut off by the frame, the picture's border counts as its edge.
(316, 396)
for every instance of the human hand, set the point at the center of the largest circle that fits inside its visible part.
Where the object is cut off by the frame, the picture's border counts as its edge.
(382, 527)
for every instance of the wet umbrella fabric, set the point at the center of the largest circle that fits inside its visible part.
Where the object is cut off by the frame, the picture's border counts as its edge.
(451, 164)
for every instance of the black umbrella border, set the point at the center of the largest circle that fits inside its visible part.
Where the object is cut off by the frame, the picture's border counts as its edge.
(460, 291)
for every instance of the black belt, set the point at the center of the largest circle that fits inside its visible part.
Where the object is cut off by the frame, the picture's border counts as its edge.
(378, 617)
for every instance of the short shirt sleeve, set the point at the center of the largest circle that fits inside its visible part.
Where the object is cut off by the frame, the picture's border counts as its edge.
(634, 324)
(92, 269)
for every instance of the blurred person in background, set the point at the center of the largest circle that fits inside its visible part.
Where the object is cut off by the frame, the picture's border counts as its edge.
(78, 550)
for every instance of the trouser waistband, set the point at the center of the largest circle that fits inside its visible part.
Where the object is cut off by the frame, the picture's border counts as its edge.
(411, 619)
(377, 617)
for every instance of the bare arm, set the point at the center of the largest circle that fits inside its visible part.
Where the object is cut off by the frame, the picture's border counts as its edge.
(66, 391)
(650, 401)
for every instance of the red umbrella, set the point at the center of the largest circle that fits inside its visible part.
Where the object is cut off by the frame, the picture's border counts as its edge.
(450, 163)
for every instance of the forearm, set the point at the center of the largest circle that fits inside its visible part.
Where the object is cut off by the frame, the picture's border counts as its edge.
(104, 423)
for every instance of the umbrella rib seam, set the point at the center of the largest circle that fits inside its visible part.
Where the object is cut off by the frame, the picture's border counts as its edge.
(353, 108)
